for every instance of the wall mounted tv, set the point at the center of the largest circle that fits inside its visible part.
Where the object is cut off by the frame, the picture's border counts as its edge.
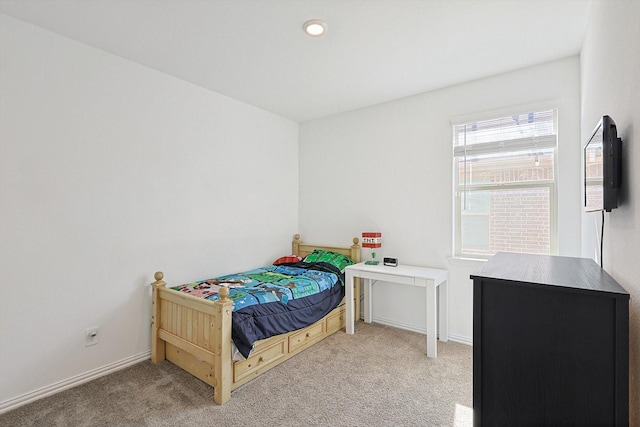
(602, 167)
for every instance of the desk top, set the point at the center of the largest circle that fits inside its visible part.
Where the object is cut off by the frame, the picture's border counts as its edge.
(436, 274)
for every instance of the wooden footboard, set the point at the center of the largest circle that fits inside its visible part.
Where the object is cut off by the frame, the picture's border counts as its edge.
(195, 333)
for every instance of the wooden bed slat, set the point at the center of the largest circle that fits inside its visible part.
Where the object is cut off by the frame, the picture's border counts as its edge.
(200, 353)
(200, 369)
(186, 300)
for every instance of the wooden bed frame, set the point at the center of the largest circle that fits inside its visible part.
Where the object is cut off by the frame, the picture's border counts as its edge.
(195, 333)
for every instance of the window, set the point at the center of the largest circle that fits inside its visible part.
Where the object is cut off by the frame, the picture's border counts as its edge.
(504, 184)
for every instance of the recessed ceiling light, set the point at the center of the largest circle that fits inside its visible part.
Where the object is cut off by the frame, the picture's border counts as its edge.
(315, 27)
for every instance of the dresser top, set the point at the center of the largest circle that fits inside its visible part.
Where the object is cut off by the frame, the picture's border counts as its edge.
(567, 272)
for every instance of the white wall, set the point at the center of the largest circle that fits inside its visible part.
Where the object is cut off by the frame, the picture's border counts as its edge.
(111, 171)
(388, 168)
(610, 62)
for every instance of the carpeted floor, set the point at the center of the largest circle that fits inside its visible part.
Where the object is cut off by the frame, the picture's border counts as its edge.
(378, 377)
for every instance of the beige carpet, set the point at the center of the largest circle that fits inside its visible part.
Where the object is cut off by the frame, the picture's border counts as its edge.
(378, 377)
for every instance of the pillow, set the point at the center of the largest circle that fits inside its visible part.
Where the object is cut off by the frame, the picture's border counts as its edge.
(338, 260)
(287, 259)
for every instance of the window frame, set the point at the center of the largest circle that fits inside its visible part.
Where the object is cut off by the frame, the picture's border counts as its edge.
(458, 188)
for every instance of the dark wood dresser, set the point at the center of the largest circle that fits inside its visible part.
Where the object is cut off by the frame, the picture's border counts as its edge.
(550, 343)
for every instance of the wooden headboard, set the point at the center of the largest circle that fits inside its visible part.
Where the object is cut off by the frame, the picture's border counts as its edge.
(304, 249)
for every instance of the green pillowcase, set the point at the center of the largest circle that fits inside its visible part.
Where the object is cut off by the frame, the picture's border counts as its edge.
(338, 260)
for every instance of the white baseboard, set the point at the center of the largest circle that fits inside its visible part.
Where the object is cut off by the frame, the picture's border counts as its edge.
(15, 402)
(461, 339)
(401, 325)
(389, 322)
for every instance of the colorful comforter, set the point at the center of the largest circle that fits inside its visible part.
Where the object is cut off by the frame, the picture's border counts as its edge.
(274, 299)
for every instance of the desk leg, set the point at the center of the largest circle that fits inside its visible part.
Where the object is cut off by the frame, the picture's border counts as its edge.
(349, 303)
(432, 318)
(357, 285)
(367, 300)
(443, 313)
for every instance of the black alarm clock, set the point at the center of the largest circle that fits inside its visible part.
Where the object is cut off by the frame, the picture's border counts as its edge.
(391, 262)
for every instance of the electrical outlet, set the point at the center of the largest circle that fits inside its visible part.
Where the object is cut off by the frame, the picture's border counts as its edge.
(90, 337)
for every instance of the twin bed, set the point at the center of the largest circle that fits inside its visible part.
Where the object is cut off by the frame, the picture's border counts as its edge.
(228, 330)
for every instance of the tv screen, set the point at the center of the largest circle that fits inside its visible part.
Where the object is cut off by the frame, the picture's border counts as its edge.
(602, 167)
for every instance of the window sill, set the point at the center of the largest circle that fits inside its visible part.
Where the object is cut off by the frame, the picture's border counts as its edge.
(465, 261)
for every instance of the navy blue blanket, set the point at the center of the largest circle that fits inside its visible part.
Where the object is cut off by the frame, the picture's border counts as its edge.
(262, 321)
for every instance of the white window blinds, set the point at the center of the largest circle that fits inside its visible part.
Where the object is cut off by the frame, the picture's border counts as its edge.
(522, 132)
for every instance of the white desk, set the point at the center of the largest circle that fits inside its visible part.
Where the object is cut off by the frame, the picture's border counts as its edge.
(434, 280)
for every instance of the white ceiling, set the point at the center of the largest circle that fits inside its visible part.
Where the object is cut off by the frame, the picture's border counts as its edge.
(374, 50)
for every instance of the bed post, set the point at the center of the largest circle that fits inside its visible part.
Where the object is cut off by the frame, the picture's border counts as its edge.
(355, 255)
(222, 366)
(157, 344)
(355, 250)
(295, 244)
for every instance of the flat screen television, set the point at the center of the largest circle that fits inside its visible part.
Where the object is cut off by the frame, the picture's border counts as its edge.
(602, 167)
